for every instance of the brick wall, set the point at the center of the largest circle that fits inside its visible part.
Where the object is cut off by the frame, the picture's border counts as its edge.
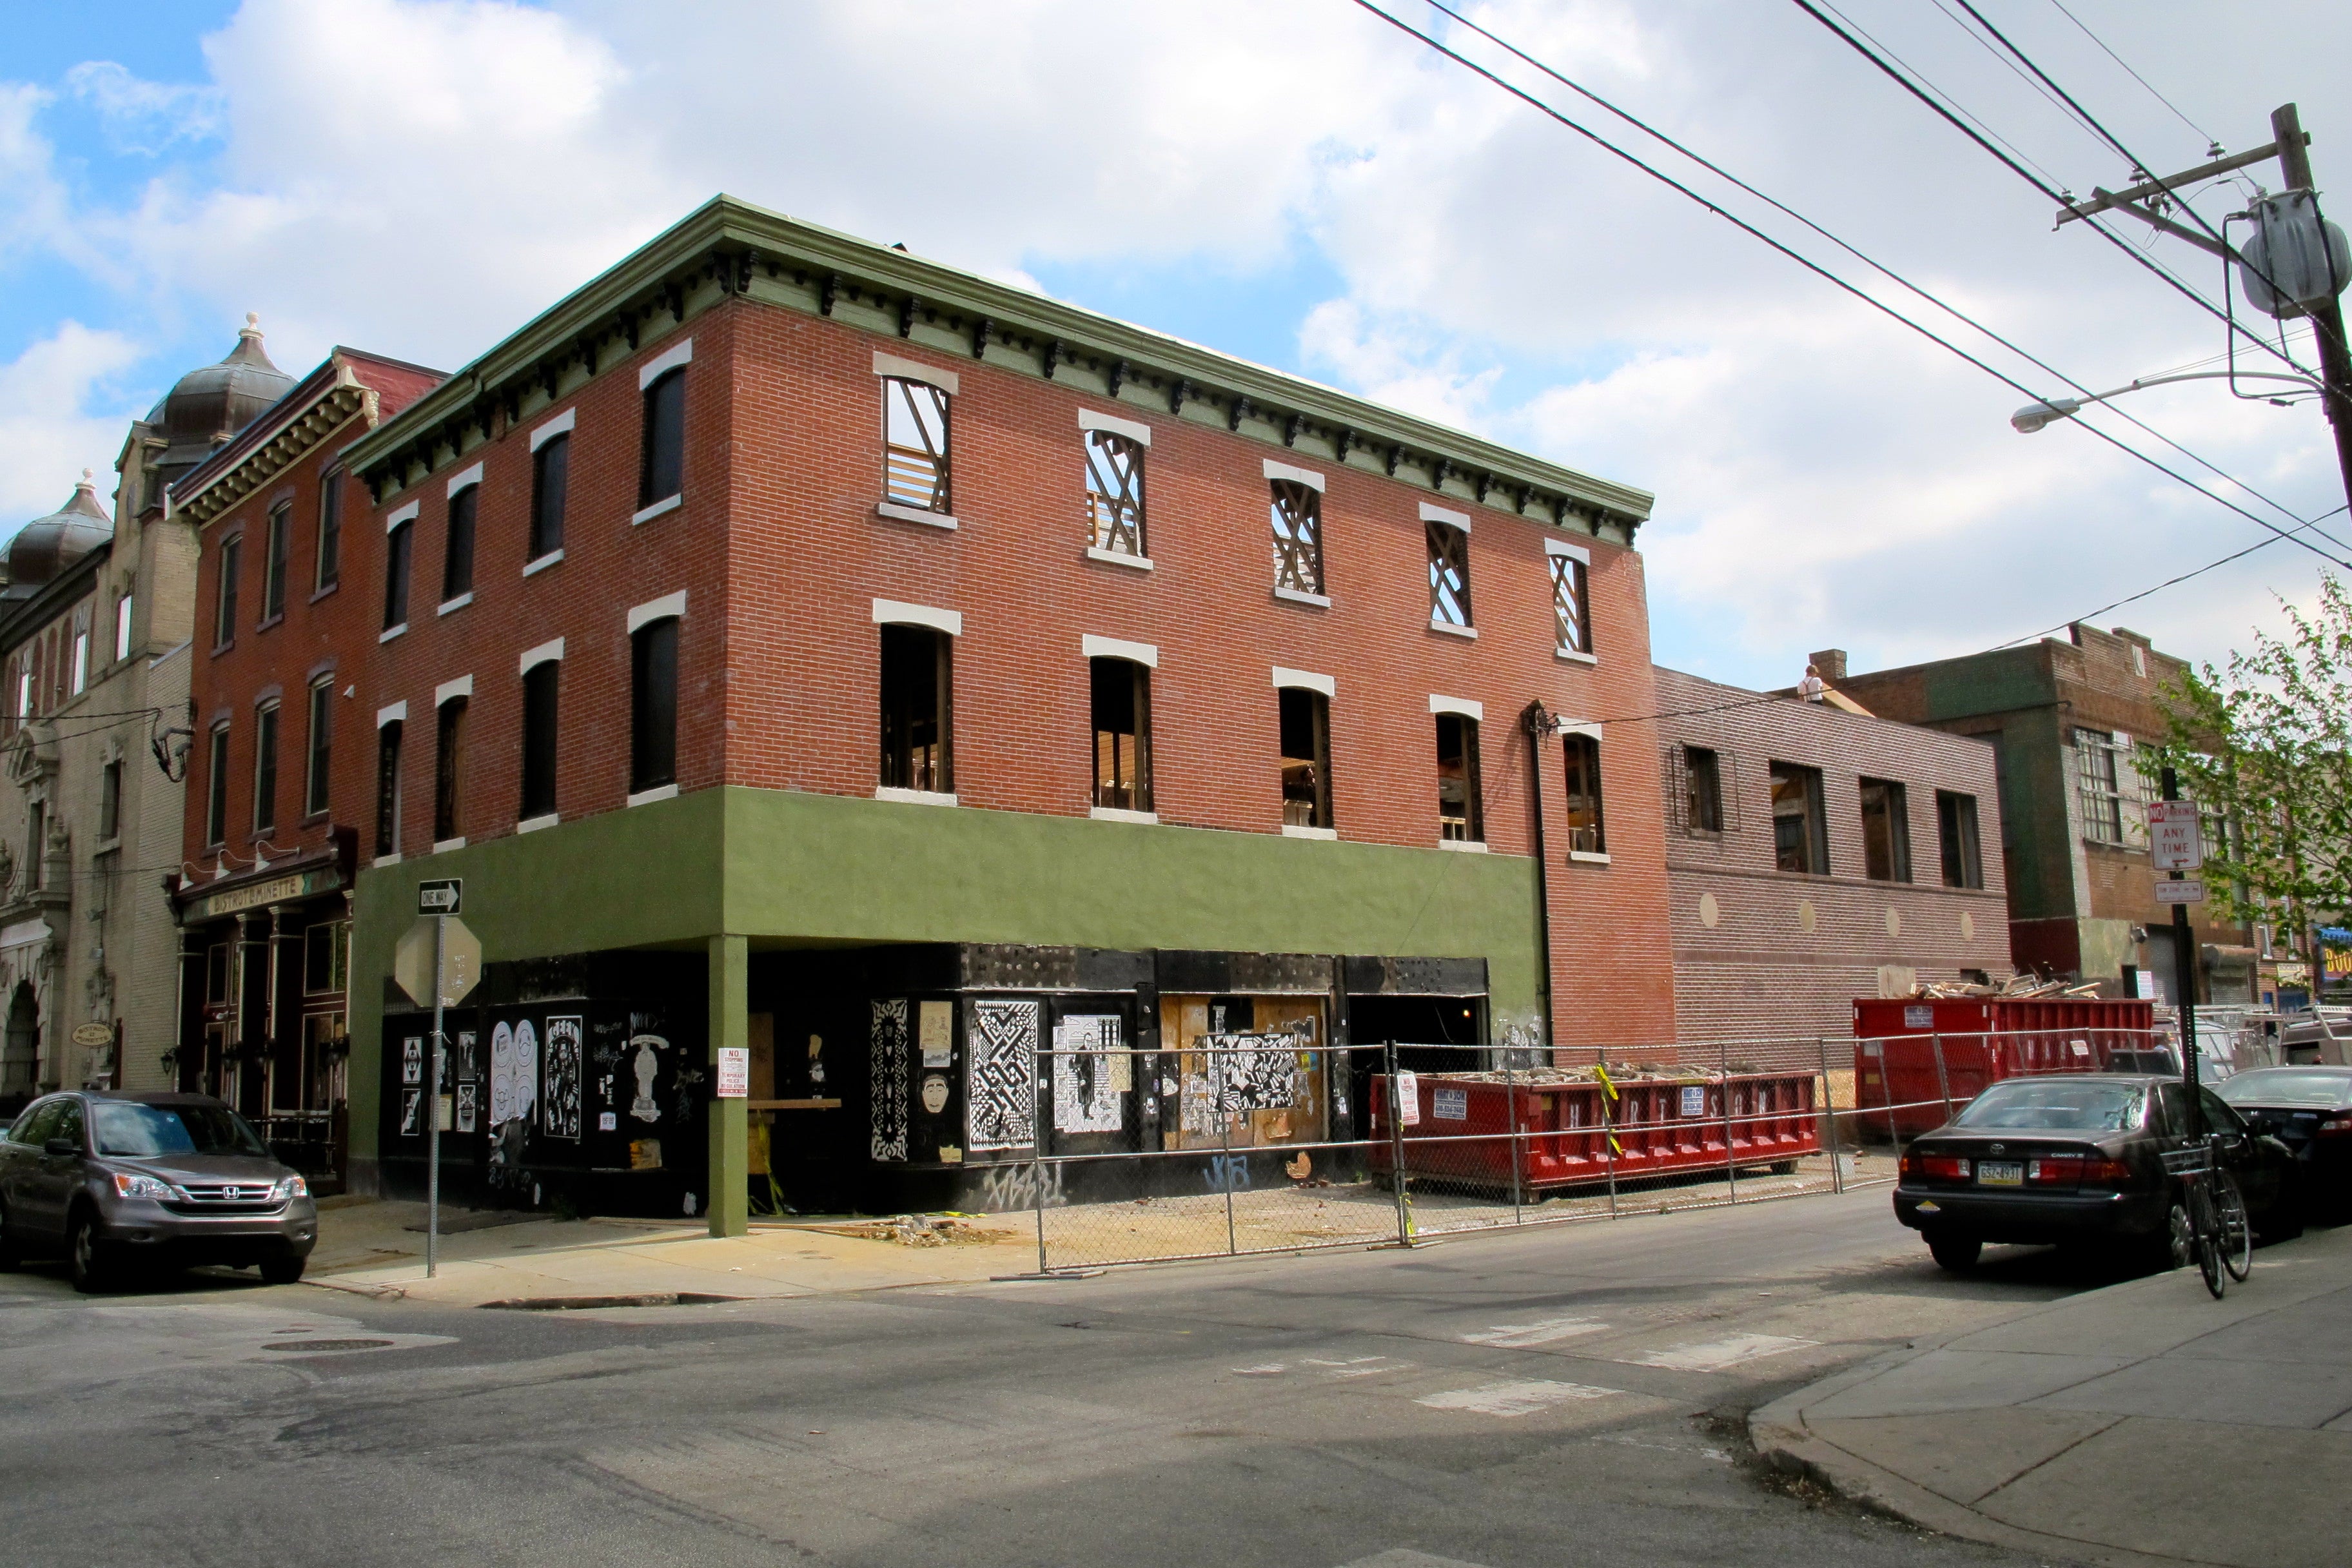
(780, 553)
(1760, 967)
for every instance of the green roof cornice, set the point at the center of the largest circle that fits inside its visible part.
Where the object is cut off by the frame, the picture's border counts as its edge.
(728, 249)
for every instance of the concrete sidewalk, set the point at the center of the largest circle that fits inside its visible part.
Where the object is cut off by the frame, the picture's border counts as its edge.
(377, 1248)
(2139, 1424)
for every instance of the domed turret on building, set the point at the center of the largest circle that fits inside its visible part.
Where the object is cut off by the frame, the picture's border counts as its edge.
(48, 545)
(209, 406)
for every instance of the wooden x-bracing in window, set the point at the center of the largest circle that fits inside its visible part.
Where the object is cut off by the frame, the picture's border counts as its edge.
(1115, 493)
(1298, 536)
(1449, 574)
(915, 442)
(1571, 610)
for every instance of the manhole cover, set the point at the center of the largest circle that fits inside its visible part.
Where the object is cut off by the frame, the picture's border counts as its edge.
(320, 1345)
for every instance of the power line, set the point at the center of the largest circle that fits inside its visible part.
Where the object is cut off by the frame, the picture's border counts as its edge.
(2011, 67)
(2112, 239)
(1866, 259)
(2211, 141)
(1823, 272)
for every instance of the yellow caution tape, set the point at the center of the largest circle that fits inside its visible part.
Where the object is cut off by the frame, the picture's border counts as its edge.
(1608, 1087)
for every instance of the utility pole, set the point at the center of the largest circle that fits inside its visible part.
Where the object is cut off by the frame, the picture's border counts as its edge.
(2290, 143)
(2326, 316)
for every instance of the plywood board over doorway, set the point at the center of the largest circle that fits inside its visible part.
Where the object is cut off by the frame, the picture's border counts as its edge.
(1188, 1021)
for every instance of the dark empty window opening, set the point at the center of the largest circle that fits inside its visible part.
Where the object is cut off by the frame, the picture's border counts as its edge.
(1885, 832)
(914, 444)
(387, 789)
(1115, 493)
(458, 553)
(661, 465)
(323, 728)
(1122, 730)
(1305, 717)
(539, 697)
(1449, 574)
(1956, 830)
(652, 705)
(1459, 814)
(264, 768)
(1297, 519)
(1801, 839)
(1702, 789)
(1580, 774)
(36, 845)
(225, 605)
(918, 710)
(330, 530)
(109, 800)
(277, 549)
(398, 547)
(1571, 607)
(551, 470)
(448, 767)
(215, 790)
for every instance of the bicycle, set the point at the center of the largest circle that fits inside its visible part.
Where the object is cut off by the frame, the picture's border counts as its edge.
(2220, 1236)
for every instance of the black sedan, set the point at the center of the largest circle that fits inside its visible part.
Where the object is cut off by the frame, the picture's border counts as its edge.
(2076, 1161)
(2309, 1109)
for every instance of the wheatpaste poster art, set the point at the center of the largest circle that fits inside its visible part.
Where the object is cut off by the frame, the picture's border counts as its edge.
(887, 1045)
(1000, 1111)
(561, 1096)
(1091, 1075)
(1254, 1072)
(502, 1074)
(644, 1065)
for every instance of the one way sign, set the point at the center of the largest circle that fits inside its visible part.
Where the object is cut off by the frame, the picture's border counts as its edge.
(440, 898)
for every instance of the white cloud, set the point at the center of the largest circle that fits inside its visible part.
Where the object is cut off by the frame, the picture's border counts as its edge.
(420, 176)
(60, 414)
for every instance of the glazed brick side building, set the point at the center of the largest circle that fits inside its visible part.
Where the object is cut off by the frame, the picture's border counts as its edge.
(1801, 880)
(891, 946)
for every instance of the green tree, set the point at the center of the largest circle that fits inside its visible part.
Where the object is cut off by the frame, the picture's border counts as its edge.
(2265, 746)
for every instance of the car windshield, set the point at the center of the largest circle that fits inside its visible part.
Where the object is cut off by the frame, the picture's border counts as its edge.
(2321, 1090)
(2074, 1107)
(136, 1130)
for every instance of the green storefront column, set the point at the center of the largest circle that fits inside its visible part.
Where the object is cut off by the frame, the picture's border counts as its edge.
(731, 1027)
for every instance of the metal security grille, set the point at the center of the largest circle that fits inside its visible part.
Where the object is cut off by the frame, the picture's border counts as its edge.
(1572, 621)
(1449, 576)
(1297, 514)
(915, 444)
(1115, 493)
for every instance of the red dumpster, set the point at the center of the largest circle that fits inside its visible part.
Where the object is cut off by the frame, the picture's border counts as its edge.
(1662, 1125)
(1897, 1083)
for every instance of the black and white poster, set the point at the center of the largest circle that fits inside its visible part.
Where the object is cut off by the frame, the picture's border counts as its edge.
(1091, 1074)
(1000, 1111)
(410, 1126)
(412, 1059)
(1254, 1072)
(559, 1083)
(889, 1047)
(469, 1101)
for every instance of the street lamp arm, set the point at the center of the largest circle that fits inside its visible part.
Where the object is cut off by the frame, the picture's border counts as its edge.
(2036, 416)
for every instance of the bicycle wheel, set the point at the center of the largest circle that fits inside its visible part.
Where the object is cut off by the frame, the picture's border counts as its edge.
(2237, 1230)
(2207, 1231)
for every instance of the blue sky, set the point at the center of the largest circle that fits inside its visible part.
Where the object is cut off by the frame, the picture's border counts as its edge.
(1298, 185)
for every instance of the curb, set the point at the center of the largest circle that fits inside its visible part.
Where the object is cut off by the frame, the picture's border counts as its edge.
(1783, 1443)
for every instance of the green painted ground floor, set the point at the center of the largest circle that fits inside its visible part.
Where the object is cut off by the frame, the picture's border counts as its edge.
(920, 996)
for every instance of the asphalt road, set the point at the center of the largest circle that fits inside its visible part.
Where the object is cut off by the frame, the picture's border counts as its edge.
(1554, 1396)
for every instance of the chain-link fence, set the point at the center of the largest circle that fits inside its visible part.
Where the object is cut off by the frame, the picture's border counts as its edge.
(1276, 1143)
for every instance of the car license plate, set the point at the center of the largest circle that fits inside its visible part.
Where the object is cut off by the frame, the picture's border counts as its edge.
(2001, 1172)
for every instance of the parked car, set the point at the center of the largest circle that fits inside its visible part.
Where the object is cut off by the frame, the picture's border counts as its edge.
(116, 1181)
(2076, 1161)
(2309, 1109)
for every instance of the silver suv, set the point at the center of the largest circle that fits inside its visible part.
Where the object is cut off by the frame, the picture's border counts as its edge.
(111, 1181)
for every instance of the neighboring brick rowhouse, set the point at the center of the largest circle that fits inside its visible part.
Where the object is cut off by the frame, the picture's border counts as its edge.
(1762, 952)
(781, 554)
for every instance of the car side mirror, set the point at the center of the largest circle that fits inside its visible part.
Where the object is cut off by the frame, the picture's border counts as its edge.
(63, 1147)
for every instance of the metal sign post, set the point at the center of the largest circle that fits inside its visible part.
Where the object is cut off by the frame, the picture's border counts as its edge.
(2176, 847)
(457, 966)
(433, 1104)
